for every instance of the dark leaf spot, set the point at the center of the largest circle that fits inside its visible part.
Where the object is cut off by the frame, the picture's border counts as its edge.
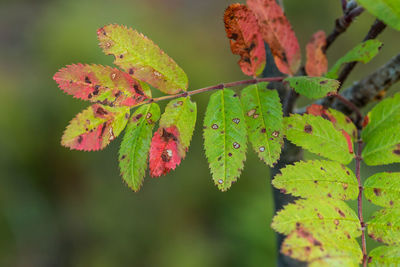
(236, 120)
(214, 126)
(308, 128)
(236, 145)
(377, 192)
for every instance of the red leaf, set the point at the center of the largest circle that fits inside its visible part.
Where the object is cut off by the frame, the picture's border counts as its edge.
(277, 32)
(99, 84)
(164, 154)
(317, 63)
(243, 31)
(349, 142)
(319, 110)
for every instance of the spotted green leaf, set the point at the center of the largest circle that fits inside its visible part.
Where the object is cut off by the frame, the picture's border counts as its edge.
(319, 136)
(384, 256)
(313, 87)
(135, 146)
(384, 115)
(264, 119)
(383, 189)
(182, 113)
(318, 178)
(386, 10)
(334, 216)
(385, 226)
(322, 248)
(363, 52)
(383, 147)
(95, 127)
(342, 122)
(141, 58)
(225, 137)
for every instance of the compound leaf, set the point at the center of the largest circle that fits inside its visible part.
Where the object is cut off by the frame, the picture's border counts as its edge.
(384, 256)
(141, 58)
(133, 153)
(385, 226)
(313, 87)
(383, 189)
(95, 127)
(386, 10)
(363, 52)
(318, 136)
(317, 63)
(321, 249)
(225, 137)
(383, 147)
(171, 141)
(318, 178)
(100, 84)
(264, 119)
(278, 33)
(382, 116)
(334, 216)
(245, 39)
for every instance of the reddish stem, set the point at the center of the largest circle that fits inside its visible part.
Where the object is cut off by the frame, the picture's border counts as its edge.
(359, 200)
(216, 87)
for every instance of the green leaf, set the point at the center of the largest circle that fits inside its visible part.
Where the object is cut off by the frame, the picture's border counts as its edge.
(334, 216)
(383, 189)
(135, 146)
(384, 256)
(264, 119)
(383, 147)
(342, 122)
(313, 87)
(382, 116)
(182, 113)
(95, 127)
(100, 84)
(225, 137)
(385, 226)
(386, 10)
(322, 248)
(363, 52)
(140, 57)
(318, 136)
(318, 178)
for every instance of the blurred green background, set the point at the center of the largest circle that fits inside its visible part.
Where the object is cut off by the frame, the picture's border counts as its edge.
(68, 208)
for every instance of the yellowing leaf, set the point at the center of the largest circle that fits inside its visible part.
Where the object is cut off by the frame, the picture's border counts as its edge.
(103, 85)
(141, 58)
(95, 127)
(383, 189)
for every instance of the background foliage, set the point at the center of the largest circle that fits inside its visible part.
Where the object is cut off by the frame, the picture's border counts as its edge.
(69, 208)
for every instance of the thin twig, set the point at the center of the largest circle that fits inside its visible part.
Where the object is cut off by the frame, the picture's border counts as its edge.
(215, 87)
(374, 31)
(359, 199)
(351, 106)
(342, 24)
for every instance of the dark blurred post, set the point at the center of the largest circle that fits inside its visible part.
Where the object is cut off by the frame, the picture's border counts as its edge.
(290, 152)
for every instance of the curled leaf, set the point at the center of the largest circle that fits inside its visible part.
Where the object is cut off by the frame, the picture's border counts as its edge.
(317, 63)
(100, 84)
(278, 33)
(242, 29)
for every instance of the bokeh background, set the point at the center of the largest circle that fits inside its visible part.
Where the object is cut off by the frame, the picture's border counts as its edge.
(67, 208)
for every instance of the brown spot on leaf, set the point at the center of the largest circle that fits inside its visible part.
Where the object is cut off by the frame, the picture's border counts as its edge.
(236, 120)
(341, 213)
(275, 133)
(236, 145)
(377, 192)
(263, 130)
(87, 80)
(308, 128)
(131, 71)
(214, 126)
(396, 151)
(101, 111)
(261, 149)
(230, 154)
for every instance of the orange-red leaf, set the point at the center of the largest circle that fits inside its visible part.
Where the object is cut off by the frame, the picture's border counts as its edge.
(164, 155)
(243, 31)
(317, 63)
(319, 110)
(278, 33)
(100, 84)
